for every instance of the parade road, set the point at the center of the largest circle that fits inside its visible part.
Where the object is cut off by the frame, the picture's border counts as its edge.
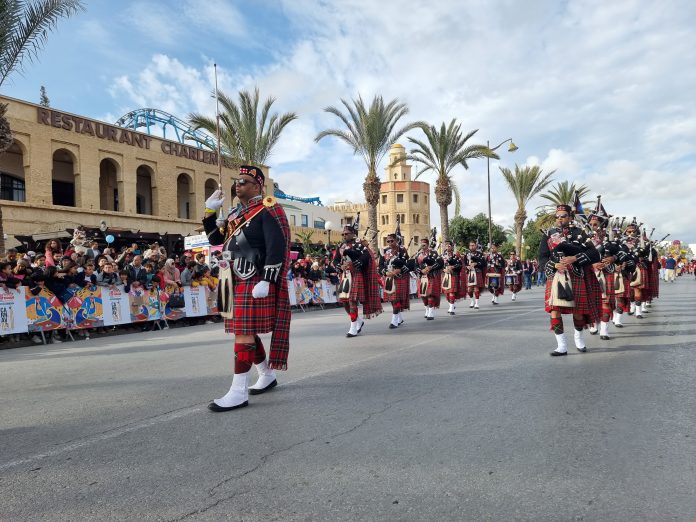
(461, 418)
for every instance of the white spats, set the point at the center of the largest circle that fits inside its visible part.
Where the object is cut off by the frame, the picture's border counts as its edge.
(451, 308)
(604, 329)
(353, 330)
(238, 393)
(401, 319)
(579, 340)
(471, 304)
(266, 376)
(593, 329)
(561, 343)
(617, 319)
(633, 308)
(430, 313)
(394, 321)
(476, 304)
(514, 296)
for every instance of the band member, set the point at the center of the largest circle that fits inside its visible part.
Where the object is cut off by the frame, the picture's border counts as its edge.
(451, 286)
(393, 266)
(472, 274)
(513, 275)
(635, 246)
(359, 280)
(607, 270)
(495, 266)
(429, 264)
(256, 239)
(566, 254)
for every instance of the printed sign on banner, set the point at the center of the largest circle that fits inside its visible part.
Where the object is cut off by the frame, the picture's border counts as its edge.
(116, 306)
(194, 299)
(13, 311)
(44, 311)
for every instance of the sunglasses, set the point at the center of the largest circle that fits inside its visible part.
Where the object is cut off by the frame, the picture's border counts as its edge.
(561, 216)
(242, 181)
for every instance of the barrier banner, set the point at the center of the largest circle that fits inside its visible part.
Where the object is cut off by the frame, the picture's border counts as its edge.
(169, 313)
(44, 311)
(144, 305)
(195, 301)
(84, 309)
(13, 312)
(116, 306)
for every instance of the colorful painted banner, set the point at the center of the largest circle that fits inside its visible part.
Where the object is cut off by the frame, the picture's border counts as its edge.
(44, 311)
(84, 309)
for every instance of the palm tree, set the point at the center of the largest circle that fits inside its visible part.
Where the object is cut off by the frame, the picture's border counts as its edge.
(524, 184)
(249, 137)
(371, 132)
(24, 28)
(562, 193)
(445, 149)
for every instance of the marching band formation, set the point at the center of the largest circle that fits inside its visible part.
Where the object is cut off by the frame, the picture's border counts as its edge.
(597, 270)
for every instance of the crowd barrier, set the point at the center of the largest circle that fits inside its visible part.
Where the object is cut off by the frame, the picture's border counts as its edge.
(96, 306)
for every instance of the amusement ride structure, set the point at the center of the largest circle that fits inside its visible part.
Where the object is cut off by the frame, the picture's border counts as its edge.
(160, 123)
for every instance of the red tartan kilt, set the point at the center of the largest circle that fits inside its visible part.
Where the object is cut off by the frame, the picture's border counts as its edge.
(456, 285)
(357, 290)
(465, 282)
(610, 299)
(401, 293)
(251, 315)
(434, 285)
(587, 293)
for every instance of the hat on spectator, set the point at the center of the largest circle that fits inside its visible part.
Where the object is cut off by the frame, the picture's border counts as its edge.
(31, 253)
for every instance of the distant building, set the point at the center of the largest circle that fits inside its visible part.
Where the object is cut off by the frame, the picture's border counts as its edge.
(400, 197)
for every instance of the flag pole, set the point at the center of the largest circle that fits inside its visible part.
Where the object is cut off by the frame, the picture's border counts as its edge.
(217, 124)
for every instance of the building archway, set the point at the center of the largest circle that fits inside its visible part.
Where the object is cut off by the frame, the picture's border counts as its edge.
(63, 178)
(184, 196)
(12, 180)
(144, 190)
(109, 187)
(210, 186)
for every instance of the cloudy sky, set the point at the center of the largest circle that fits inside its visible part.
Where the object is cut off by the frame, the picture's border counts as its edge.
(603, 92)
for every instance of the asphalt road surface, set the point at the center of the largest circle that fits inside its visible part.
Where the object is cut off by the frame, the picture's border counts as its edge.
(461, 418)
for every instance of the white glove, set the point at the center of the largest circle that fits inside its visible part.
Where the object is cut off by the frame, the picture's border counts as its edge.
(220, 222)
(215, 200)
(261, 289)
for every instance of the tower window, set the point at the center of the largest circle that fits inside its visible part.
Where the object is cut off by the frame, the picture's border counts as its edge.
(399, 198)
(415, 198)
(384, 199)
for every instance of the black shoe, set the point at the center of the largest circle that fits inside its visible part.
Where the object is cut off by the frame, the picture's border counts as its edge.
(630, 313)
(392, 327)
(263, 390)
(471, 306)
(218, 409)
(594, 333)
(349, 335)
(401, 322)
(558, 354)
(582, 350)
(618, 325)
(639, 317)
(361, 325)
(604, 337)
(495, 303)
(451, 313)
(430, 318)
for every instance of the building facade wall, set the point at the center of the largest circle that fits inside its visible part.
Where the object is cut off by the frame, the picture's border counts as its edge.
(54, 146)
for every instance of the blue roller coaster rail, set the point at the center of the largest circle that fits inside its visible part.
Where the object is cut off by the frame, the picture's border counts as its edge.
(154, 118)
(282, 195)
(186, 134)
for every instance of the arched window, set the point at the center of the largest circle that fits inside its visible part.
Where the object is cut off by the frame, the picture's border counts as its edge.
(184, 196)
(12, 185)
(63, 178)
(143, 190)
(210, 186)
(108, 185)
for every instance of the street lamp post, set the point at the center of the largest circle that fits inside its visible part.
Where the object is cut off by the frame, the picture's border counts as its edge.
(327, 226)
(511, 148)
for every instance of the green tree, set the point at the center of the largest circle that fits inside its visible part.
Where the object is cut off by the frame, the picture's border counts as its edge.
(443, 150)
(43, 97)
(532, 237)
(524, 183)
(24, 28)
(246, 134)
(562, 193)
(463, 230)
(370, 132)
